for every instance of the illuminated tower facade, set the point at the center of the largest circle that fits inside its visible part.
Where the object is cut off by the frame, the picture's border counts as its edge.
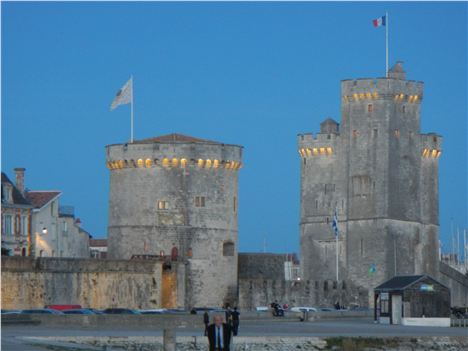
(381, 176)
(176, 196)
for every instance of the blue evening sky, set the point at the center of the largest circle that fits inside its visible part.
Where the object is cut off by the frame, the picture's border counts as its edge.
(254, 74)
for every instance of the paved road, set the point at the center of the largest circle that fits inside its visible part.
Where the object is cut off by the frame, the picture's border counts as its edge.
(11, 335)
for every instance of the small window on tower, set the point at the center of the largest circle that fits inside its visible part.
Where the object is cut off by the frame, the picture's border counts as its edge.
(228, 248)
(234, 203)
(163, 205)
(199, 201)
(403, 108)
(370, 108)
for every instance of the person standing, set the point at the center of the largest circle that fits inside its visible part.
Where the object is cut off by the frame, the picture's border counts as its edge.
(219, 335)
(206, 321)
(235, 321)
(228, 315)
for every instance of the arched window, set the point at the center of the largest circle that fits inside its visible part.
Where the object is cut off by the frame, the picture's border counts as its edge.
(228, 248)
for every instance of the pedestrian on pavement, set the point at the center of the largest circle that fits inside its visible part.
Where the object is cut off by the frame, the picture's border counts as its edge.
(206, 321)
(219, 335)
(235, 321)
(228, 316)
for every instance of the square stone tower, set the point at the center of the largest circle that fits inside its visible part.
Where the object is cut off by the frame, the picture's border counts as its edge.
(381, 176)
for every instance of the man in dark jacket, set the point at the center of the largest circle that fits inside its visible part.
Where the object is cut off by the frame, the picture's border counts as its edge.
(219, 335)
(206, 321)
(235, 321)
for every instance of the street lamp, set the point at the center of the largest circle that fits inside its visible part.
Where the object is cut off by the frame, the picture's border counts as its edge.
(44, 230)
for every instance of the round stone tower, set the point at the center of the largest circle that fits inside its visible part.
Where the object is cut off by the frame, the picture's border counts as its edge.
(175, 196)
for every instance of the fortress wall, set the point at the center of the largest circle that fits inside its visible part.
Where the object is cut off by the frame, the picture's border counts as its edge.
(325, 293)
(457, 282)
(34, 283)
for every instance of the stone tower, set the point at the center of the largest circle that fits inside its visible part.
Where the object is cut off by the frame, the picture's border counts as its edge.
(381, 176)
(176, 196)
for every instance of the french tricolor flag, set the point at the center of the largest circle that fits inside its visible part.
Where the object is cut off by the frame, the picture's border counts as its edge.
(379, 21)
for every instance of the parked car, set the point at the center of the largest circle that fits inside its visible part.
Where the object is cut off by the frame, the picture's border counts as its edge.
(303, 309)
(79, 311)
(200, 310)
(153, 311)
(95, 311)
(175, 311)
(120, 311)
(327, 309)
(63, 307)
(11, 311)
(262, 309)
(41, 311)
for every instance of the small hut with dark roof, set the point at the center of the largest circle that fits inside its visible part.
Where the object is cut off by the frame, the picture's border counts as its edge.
(412, 300)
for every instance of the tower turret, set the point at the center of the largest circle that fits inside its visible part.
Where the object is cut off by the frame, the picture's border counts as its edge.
(176, 196)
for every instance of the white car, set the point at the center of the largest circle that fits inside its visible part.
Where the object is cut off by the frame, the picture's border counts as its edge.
(302, 309)
(262, 309)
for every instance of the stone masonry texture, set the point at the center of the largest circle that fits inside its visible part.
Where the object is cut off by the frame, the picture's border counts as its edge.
(177, 195)
(380, 174)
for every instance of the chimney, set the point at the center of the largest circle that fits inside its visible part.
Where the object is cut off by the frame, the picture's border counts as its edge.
(20, 179)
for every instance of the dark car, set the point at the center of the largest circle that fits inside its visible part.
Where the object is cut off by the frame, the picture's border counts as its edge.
(41, 311)
(79, 311)
(210, 310)
(175, 311)
(120, 311)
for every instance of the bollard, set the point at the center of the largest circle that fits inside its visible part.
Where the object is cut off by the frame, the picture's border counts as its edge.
(169, 340)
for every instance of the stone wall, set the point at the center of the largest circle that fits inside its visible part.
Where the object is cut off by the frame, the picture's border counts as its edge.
(325, 293)
(261, 266)
(178, 196)
(457, 282)
(34, 283)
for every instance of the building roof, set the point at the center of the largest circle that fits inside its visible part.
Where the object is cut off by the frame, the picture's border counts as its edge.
(175, 138)
(402, 282)
(41, 198)
(18, 198)
(98, 243)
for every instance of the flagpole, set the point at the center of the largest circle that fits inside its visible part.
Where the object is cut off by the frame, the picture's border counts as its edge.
(386, 44)
(336, 243)
(131, 113)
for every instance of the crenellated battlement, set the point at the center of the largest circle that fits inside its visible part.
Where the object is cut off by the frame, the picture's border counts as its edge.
(173, 163)
(381, 89)
(319, 145)
(431, 145)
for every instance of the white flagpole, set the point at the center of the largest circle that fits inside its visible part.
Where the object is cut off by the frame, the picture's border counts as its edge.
(336, 242)
(336, 239)
(386, 44)
(131, 113)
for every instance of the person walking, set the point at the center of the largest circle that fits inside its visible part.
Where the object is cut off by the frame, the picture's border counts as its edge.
(219, 335)
(206, 321)
(235, 321)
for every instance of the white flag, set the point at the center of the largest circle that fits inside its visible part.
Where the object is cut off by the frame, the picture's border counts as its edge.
(124, 96)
